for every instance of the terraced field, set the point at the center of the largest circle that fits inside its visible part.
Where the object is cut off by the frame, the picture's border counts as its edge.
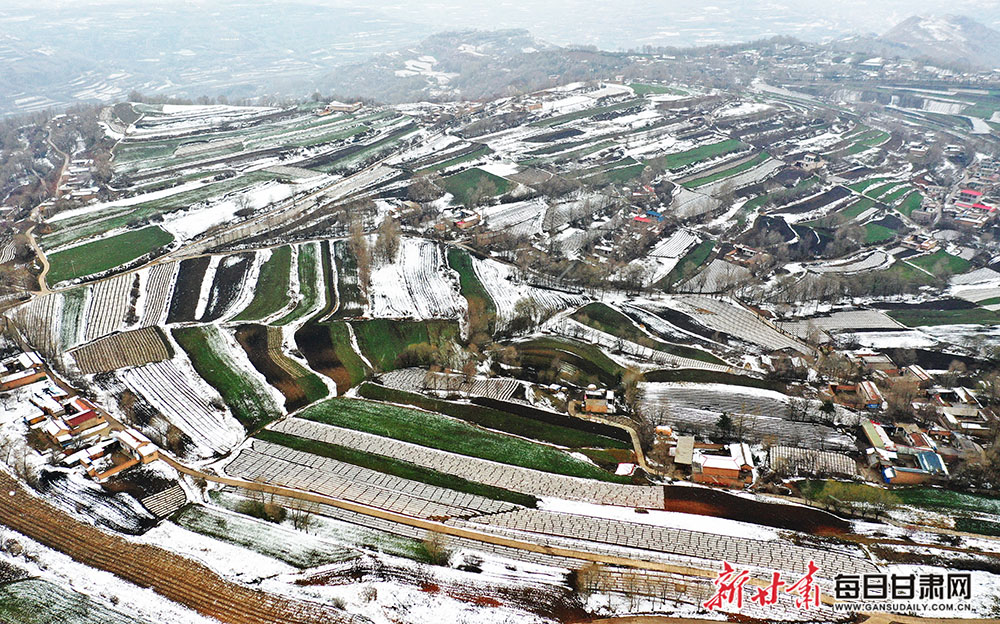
(206, 348)
(131, 348)
(263, 345)
(174, 577)
(440, 432)
(271, 291)
(105, 254)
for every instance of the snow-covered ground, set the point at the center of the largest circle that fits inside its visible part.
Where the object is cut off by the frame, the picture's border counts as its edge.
(104, 587)
(672, 519)
(417, 284)
(506, 288)
(184, 402)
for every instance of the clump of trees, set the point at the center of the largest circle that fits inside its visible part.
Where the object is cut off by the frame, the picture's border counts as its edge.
(387, 241)
(358, 245)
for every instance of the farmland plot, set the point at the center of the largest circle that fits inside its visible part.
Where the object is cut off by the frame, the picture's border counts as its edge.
(502, 283)
(864, 261)
(658, 325)
(736, 320)
(844, 320)
(718, 276)
(107, 306)
(293, 547)
(614, 344)
(665, 256)
(7, 252)
(35, 601)
(418, 284)
(675, 245)
(174, 120)
(41, 321)
(131, 348)
(329, 349)
(340, 272)
(519, 218)
(158, 286)
(82, 497)
(695, 408)
(263, 346)
(72, 317)
(222, 363)
(310, 285)
(183, 402)
(227, 284)
(187, 289)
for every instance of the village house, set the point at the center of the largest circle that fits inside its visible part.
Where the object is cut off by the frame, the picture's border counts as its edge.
(735, 470)
(22, 370)
(598, 401)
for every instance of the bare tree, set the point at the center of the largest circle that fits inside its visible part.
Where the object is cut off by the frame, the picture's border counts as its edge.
(387, 241)
(362, 254)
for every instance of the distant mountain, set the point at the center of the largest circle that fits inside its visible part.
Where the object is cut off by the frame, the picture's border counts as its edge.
(56, 55)
(952, 39)
(469, 65)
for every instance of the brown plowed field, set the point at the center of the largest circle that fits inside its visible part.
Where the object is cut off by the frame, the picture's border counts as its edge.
(175, 577)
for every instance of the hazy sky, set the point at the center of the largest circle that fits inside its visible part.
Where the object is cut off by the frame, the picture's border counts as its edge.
(614, 24)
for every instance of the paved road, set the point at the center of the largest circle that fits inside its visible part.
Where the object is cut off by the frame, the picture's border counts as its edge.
(740, 551)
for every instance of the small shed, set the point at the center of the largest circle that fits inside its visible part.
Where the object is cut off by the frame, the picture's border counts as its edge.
(684, 450)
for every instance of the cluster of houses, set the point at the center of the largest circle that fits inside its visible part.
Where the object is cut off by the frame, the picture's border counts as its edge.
(338, 107)
(77, 182)
(969, 209)
(940, 428)
(68, 428)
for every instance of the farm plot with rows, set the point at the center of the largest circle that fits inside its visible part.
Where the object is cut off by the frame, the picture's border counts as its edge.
(757, 414)
(273, 463)
(735, 320)
(340, 273)
(110, 306)
(518, 218)
(131, 348)
(186, 404)
(225, 367)
(72, 317)
(717, 276)
(159, 284)
(436, 431)
(506, 288)
(41, 320)
(417, 284)
(665, 256)
(295, 548)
